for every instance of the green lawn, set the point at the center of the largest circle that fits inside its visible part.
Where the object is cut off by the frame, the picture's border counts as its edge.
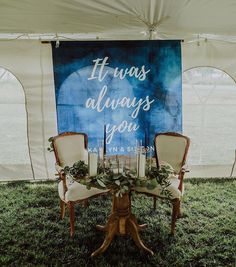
(31, 233)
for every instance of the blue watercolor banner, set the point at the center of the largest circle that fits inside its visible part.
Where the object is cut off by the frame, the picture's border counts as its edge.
(134, 88)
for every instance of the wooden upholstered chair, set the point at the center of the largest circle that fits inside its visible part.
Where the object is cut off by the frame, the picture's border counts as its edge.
(171, 148)
(69, 148)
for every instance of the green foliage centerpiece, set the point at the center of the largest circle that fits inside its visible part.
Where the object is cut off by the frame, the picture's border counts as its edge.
(124, 181)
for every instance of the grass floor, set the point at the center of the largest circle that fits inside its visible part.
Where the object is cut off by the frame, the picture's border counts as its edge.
(31, 233)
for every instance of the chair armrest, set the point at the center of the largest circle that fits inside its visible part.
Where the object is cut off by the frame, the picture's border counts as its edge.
(62, 176)
(185, 168)
(58, 168)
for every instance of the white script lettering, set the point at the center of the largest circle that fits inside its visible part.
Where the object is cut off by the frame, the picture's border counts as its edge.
(100, 63)
(122, 127)
(100, 105)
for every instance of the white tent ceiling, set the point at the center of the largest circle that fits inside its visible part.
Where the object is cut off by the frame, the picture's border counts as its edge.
(118, 19)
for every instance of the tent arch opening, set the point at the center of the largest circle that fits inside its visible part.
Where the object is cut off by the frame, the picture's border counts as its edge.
(15, 156)
(209, 109)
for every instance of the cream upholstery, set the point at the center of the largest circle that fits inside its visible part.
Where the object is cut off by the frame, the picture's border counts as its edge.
(172, 188)
(77, 191)
(70, 148)
(171, 149)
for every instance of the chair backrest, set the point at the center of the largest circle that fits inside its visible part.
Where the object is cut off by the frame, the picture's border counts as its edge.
(70, 147)
(172, 148)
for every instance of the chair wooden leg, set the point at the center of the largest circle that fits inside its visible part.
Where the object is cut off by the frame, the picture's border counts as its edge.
(154, 203)
(179, 211)
(62, 206)
(85, 203)
(175, 212)
(72, 218)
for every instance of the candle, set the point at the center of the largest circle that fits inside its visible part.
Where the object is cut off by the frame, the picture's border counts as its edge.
(85, 156)
(93, 164)
(142, 163)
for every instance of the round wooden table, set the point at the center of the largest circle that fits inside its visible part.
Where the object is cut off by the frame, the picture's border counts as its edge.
(121, 222)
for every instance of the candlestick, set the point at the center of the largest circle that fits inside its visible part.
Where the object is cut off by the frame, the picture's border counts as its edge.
(148, 136)
(104, 147)
(145, 140)
(137, 157)
(105, 137)
(129, 161)
(117, 164)
(138, 162)
(100, 151)
(117, 168)
(150, 155)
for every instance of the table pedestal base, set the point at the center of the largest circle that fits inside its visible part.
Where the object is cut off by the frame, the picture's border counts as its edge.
(121, 222)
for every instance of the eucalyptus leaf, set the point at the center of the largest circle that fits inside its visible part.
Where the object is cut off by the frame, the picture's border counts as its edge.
(117, 182)
(126, 188)
(100, 182)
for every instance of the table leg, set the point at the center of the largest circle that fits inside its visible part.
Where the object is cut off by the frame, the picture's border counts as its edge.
(111, 231)
(133, 229)
(121, 222)
(139, 226)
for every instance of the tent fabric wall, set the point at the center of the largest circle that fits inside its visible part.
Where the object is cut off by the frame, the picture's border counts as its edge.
(31, 63)
(216, 54)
